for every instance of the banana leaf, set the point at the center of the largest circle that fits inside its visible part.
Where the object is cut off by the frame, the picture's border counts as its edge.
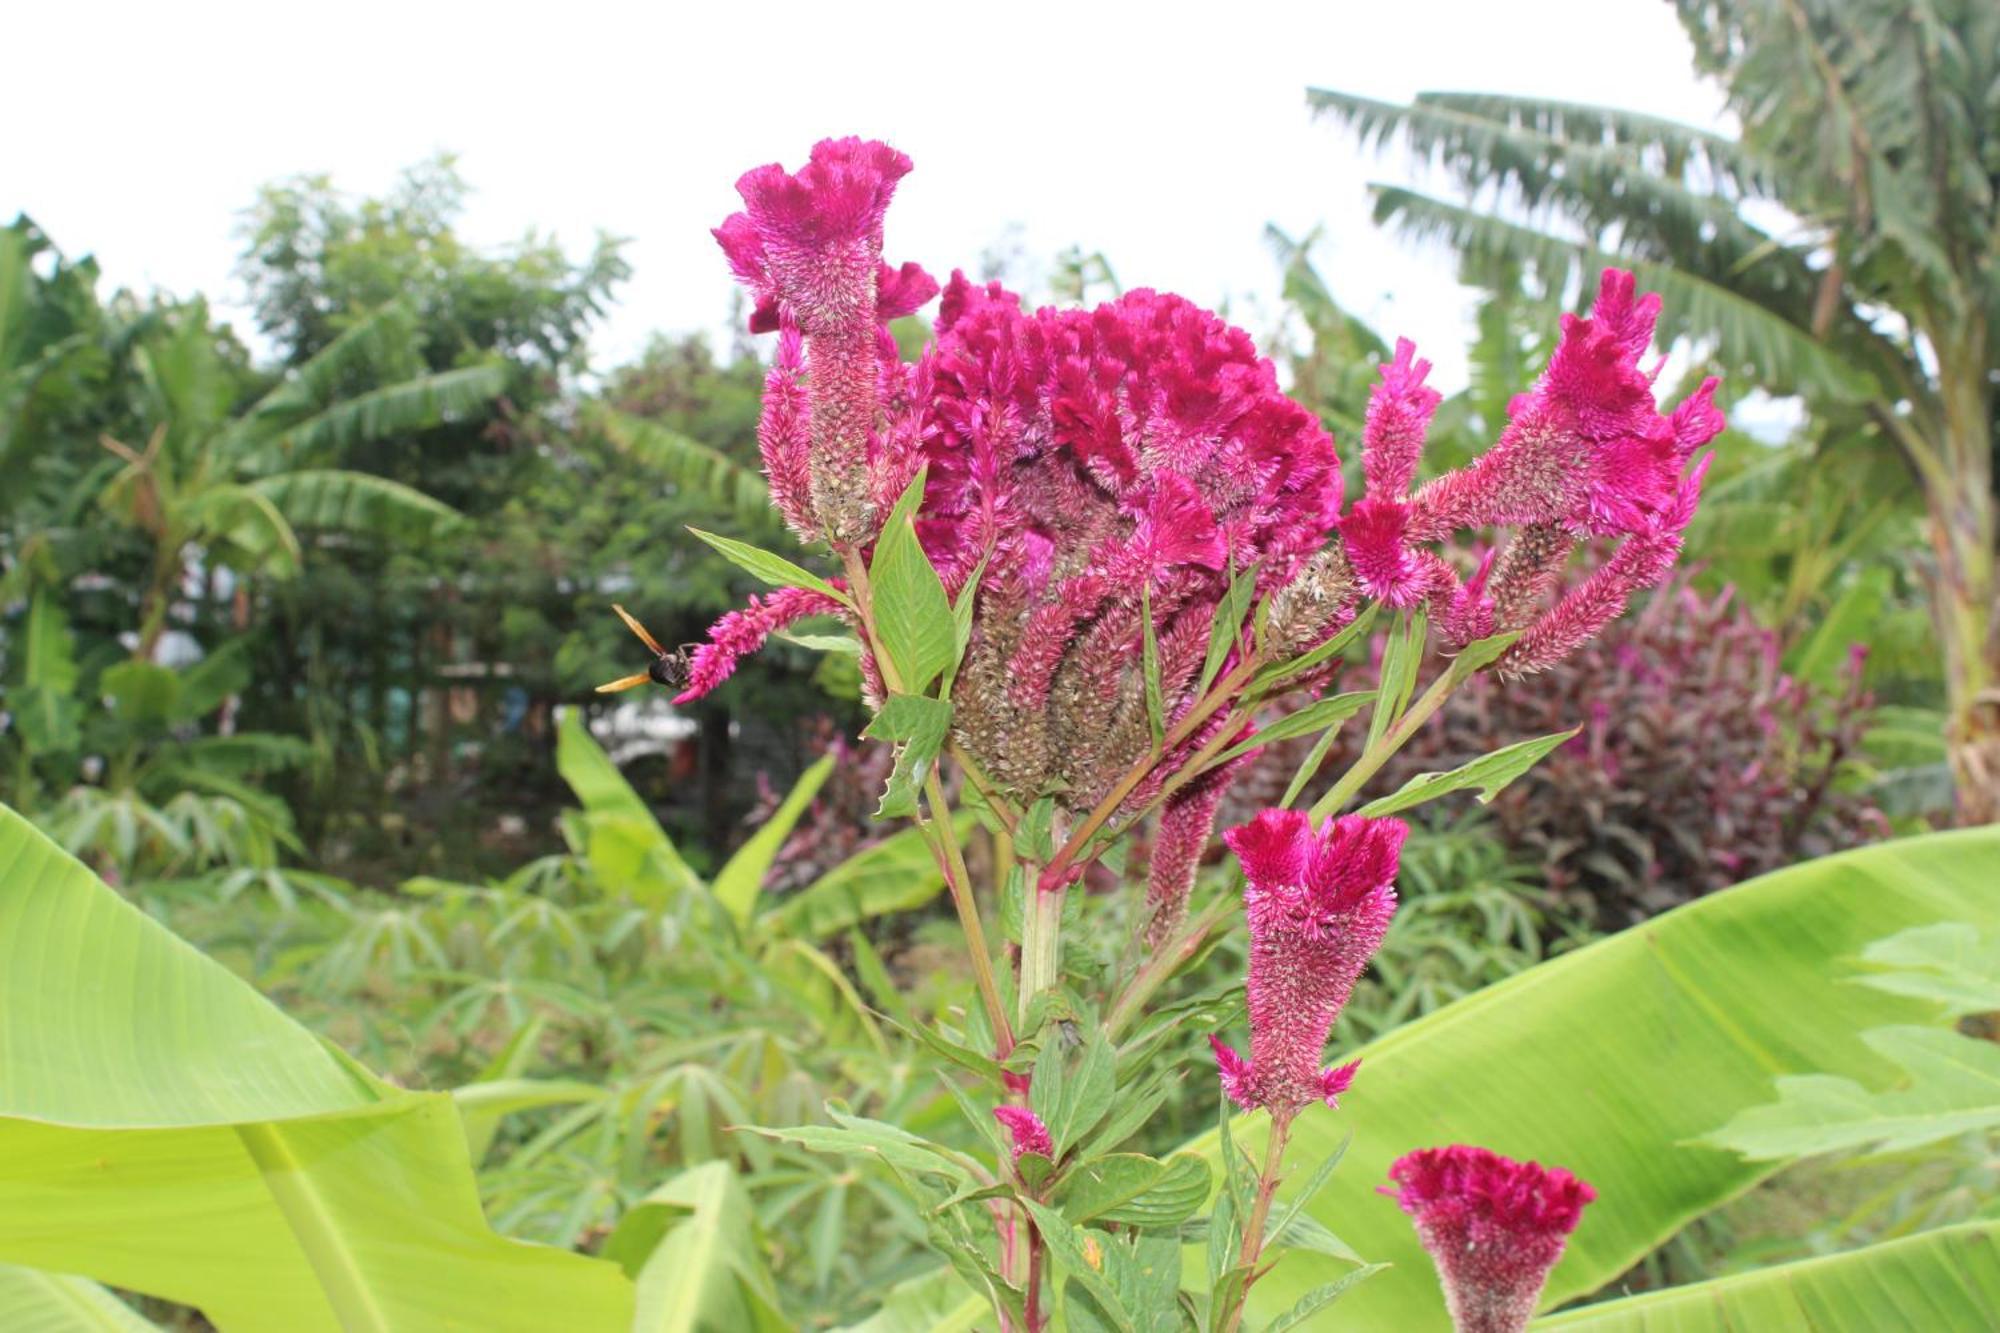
(166, 1130)
(1943, 1279)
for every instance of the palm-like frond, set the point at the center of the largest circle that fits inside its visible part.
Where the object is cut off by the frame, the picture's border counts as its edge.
(376, 344)
(1683, 147)
(1784, 356)
(1306, 291)
(334, 500)
(243, 518)
(411, 405)
(1656, 205)
(691, 466)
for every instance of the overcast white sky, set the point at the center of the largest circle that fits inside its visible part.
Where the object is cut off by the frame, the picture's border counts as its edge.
(1164, 135)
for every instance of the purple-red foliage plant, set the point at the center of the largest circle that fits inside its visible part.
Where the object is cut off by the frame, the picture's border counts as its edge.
(1701, 761)
(1085, 550)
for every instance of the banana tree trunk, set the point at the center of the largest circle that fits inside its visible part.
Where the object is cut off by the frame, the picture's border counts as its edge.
(1966, 598)
(1965, 614)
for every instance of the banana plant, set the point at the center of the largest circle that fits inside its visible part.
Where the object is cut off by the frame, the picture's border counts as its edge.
(165, 1130)
(238, 485)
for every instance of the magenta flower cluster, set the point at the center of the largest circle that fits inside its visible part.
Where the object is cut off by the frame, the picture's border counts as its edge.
(1494, 1227)
(1101, 468)
(1585, 454)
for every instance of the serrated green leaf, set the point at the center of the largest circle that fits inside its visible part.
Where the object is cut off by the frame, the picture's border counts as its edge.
(1488, 773)
(1033, 836)
(913, 617)
(1135, 1190)
(1080, 1254)
(1133, 1112)
(956, 1053)
(1948, 964)
(1952, 1087)
(1085, 1093)
(919, 726)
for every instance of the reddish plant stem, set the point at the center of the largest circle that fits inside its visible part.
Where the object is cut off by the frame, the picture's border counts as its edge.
(1034, 1302)
(1260, 1212)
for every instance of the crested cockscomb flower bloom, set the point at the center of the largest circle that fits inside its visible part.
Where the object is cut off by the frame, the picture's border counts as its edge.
(1585, 454)
(1494, 1227)
(808, 245)
(1111, 471)
(1318, 903)
(1026, 1129)
(1587, 447)
(1102, 466)
(1095, 467)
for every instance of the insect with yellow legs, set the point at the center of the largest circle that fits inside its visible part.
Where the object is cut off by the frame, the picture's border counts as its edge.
(668, 668)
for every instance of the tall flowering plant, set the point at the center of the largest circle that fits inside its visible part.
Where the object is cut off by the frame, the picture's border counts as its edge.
(1083, 553)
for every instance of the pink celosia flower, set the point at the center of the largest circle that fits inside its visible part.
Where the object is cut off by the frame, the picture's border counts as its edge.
(1494, 1227)
(1026, 1129)
(1095, 462)
(1186, 821)
(740, 633)
(1586, 447)
(1585, 454)
(1099, 467)
(1642, 560)
(809, 247)
(1089, 457)
(1318, 905)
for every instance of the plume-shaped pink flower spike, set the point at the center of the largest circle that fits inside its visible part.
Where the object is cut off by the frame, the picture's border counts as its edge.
(1319, 904)
(1377, 530)
(1026, 1129)
(739, 633)
(1641, 561)
(1494, 1228)
(1399, 415)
